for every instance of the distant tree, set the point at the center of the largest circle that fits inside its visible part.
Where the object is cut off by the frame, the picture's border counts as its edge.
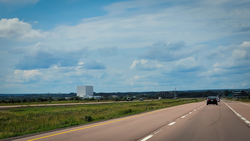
(24, 100)
(77, 98)
(243, 93)
(39, 99)
(32, 100)
(61, 99)
(226, 92)
(51, 99)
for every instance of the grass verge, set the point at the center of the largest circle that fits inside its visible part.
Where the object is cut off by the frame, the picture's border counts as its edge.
(21, 121)
(46, 102)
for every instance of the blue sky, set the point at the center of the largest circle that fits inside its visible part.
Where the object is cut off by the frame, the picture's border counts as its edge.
(117, 46)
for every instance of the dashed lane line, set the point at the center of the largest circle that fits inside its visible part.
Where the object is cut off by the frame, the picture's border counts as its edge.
(172, 123)
(146, 138)
(158, 131)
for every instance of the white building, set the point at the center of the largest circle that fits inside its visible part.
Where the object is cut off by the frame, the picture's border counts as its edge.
(84, 91)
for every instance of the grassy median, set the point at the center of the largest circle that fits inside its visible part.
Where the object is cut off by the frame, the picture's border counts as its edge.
(21, 121)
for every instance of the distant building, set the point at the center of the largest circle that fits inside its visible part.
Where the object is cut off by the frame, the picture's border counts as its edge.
(237, 95)
(84, 91)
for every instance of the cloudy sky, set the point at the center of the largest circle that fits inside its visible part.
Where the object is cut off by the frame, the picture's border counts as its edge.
(121, 46)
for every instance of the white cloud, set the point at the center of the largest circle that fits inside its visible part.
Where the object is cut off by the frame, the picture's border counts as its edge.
(145, 65)
(242, 51)
(22, 76)
(117, 8)
(189, 23)
(237, 56)
(116, 40)
(18, 29)
(213, 72)
(244, 84)
(80, 63)
(229, 61)
(186, 64)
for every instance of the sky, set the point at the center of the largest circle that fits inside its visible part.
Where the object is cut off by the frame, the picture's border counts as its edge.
(124, 46)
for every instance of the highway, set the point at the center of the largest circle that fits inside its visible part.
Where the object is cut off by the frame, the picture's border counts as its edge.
(227, 121)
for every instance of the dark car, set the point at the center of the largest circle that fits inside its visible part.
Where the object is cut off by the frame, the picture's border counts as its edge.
(212, 100)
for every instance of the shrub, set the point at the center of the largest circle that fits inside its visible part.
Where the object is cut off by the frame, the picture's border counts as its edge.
(88, 118)
(62, 99)
(127, 111)
(24, 100)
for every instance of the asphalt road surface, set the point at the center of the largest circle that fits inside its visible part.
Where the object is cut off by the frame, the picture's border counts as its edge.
(227, 121)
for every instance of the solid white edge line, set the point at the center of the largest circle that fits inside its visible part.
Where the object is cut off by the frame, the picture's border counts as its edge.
(146, 138)
(242, 118)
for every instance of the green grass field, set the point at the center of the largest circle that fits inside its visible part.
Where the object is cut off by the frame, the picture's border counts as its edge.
(45, 102)
(21, 121)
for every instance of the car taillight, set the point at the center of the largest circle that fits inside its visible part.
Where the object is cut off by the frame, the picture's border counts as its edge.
(215, 100)
(208, 99)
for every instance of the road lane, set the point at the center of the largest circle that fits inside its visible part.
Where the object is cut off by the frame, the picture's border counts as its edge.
(210, 122)
(127, 128)
(242, 108)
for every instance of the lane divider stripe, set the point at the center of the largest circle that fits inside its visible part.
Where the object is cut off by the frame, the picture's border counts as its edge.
(146, 138)
(172, 123)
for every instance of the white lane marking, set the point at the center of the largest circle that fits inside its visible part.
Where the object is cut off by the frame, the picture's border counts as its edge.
(146, 138)
(245, 120)
(172, 123)
(158, 131)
